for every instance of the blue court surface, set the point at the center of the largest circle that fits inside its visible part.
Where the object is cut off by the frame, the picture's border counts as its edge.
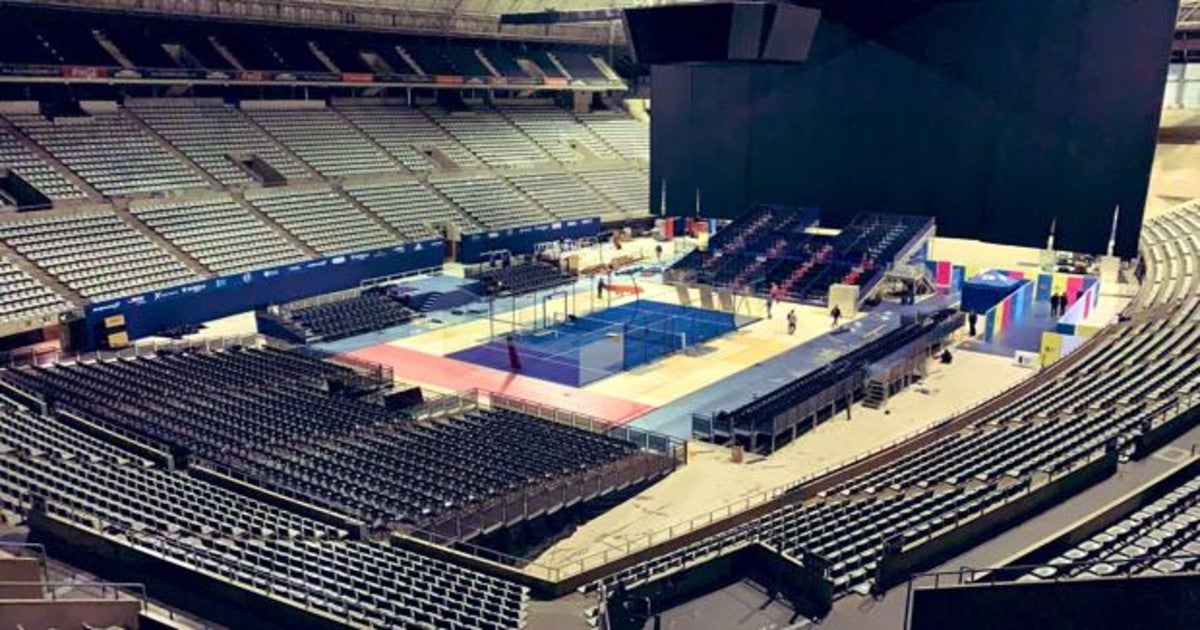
(586, 349)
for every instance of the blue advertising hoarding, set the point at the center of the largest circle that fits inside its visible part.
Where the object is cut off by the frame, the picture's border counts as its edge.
(522, 240)
(193, 303)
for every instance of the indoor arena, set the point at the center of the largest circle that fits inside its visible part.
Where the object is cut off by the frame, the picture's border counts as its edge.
(615, 314)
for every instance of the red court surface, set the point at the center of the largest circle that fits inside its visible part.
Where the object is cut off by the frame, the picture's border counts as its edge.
(418, 367)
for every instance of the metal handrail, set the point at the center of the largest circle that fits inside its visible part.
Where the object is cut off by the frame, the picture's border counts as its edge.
(117, 589)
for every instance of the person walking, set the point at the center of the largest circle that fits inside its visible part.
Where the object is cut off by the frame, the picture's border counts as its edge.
(770, 303)
(658, 251)
(600, 288)
(972, 320)
(837, 314)
(791, 319)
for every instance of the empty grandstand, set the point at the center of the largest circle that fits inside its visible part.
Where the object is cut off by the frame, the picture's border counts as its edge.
(378, 315)
(230, 410)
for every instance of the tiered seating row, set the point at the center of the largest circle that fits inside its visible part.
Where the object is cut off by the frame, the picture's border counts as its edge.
(563, 195)
(23, 297)
(321, 218)
(218, 233)
(558, 132)
(367, 585)
(96, 254)
(520, 279)
(411, 208)
(492, 202)
(249, 544)
(210, 135)
(269, 416)
(489, 136)
(111, 153)
(15, 156)
(1142, 543)
(628, 137)
(403, 131)
(628, 189)
(324, 140)
(354, 316)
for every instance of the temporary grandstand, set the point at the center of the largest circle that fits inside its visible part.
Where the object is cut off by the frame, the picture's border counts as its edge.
(379, 315)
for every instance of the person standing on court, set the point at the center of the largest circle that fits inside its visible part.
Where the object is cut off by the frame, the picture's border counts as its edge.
(514, 359)
(658, 251)
(791, 319)
(837, 314)
(600, 288)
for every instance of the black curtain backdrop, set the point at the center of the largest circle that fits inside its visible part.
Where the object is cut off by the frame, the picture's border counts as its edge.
(995, 116)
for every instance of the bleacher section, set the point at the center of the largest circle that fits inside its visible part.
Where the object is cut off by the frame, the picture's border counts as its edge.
(23, 297)
(403, 132)
(520, 279)
(489, 136)
(777, 417)
(320, 218)
(279, 422)
(95, 253)
(212, 135)
(558, 132)
(629, 190)
(360, 314)
(751, 250)
(1121, 389)
(218, 232)
(628, 137)
(111, 153)
(410, 207)
(564, 196)
(1160, 539)
(492, 202)
(112, 495)
(771, 247)
(16, 156)
(149, 152)
(324, 140)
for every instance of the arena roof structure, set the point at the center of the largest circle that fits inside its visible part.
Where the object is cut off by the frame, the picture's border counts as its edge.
(450, 17)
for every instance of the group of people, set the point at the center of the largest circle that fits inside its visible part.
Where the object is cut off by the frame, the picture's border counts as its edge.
(776, 293)
(1059, 304)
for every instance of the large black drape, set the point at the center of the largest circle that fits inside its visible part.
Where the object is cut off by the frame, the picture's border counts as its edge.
(996, 116)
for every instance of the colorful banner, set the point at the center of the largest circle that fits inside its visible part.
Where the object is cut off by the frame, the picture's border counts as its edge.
(1057, 345)
(1082, 301)
(1012, 309)
(357, 77)
(446, 79)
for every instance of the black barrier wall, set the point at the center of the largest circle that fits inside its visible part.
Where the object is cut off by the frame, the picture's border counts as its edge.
(1162, 603)
(996, 116)
(205, 300)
